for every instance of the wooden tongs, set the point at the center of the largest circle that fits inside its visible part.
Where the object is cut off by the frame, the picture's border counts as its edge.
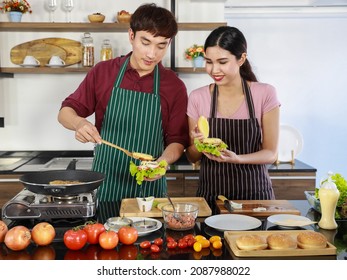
(135, 155)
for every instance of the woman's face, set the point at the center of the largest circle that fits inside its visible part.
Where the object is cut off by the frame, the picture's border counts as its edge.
(222, 66)
(148, 50)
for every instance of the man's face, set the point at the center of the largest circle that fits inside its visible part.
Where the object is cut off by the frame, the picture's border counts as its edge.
(148, 50)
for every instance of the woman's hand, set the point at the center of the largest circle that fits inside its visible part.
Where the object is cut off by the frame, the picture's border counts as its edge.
(226, 156)
(196, 134)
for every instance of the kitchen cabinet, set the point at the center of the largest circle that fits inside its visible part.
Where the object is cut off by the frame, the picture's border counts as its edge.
(288, 181)
(90, 27)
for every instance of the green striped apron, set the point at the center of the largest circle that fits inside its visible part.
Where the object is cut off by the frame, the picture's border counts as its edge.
(133, 121)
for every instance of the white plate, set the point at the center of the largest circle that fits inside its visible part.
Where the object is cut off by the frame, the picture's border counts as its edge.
(289, 221)
(224, 222)
(136, 219)
(29, 65)
(55, 65)
(290, 140)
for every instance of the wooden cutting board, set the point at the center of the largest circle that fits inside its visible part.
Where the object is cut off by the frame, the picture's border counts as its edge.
(231, 236)
(129, 207)
(272, 207)
(42, 49)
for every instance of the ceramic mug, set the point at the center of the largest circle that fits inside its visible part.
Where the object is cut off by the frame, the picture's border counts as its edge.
(56, 60)
(30, 60)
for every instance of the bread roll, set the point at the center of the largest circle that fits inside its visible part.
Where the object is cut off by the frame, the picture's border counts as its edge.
(251, 242)
(281, 241)
(311, 240)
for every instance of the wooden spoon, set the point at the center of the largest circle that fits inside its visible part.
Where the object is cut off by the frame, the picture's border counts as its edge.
(135, 155)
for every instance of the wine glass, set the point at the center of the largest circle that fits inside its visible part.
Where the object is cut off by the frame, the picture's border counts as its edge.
(68, 6)
(51, 6)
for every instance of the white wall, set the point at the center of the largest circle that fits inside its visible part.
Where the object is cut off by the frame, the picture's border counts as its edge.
(303, 54)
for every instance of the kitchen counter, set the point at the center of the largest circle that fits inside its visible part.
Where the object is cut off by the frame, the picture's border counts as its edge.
(57, 249)
(33, 161)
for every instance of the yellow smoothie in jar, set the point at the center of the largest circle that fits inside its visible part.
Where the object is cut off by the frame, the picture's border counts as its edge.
(328, 200)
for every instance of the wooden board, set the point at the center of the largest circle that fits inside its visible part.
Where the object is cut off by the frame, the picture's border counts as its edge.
(42, 49)
(129, 207)
(231, 236)
(273, 207)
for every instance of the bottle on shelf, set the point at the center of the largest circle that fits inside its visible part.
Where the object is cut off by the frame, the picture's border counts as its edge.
(106, 50)
(87, 50)
(328, 195)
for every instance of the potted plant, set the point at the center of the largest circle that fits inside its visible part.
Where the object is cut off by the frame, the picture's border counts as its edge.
(16, 8)
(195, 53)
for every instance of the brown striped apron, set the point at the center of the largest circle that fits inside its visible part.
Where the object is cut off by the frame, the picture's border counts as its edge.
(235, 181)
(133, 121)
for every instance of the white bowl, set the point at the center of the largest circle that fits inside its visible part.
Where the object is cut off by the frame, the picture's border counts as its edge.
(145, 204)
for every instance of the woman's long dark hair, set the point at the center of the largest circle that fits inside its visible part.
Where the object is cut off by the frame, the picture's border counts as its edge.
(231, 39)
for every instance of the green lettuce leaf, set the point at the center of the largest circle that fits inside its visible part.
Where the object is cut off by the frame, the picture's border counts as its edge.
(141, 174)
(208, 148)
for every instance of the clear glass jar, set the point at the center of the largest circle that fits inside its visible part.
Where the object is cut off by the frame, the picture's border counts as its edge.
(106, 50)
(87, 50)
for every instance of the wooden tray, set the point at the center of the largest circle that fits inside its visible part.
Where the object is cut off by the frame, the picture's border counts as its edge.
(231, 236)
(273, 207)
(129, 207)
(42, 49)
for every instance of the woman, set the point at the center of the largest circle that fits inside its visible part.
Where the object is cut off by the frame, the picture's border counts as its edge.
(241, 111)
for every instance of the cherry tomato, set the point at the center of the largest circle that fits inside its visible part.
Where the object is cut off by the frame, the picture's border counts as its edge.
(169, 239)
(155, 248)
(108, 239)
(171, 244)
(182, 244)
(127, 235)
(190, 242)
(75, 238)
(145, 244)
(93, 231)
(158, 241)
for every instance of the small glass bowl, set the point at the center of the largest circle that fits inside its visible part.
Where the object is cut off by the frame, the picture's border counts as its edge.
(115, 223)
(183, 218)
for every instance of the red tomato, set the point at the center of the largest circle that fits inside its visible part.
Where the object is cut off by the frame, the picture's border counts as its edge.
(93, 231)
(155, 248)
(18, 238)
(190, 242)
(108, 239)
(43, 233)
(75, 238)
(158, 241)
(171, 244)
(127, 235)
(145, 244)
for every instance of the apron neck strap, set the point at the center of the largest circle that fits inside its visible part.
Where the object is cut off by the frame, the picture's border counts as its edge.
(156, 82)
(247, 93)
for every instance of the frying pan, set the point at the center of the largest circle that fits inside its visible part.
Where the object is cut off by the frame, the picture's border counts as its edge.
(39, 182)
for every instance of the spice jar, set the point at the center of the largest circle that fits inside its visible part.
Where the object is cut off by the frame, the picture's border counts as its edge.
(106, 50)
(87, 50)
(328, 195)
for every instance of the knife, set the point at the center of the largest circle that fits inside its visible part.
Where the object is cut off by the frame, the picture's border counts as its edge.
(226, 202)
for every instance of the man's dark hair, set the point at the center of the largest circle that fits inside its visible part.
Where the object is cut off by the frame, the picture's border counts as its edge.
(155, 20)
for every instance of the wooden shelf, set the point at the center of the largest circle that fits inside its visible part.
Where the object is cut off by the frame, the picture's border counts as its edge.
(92, 27)
(8, 71)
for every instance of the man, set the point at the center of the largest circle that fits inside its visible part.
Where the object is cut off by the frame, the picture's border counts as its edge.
(138, 105)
